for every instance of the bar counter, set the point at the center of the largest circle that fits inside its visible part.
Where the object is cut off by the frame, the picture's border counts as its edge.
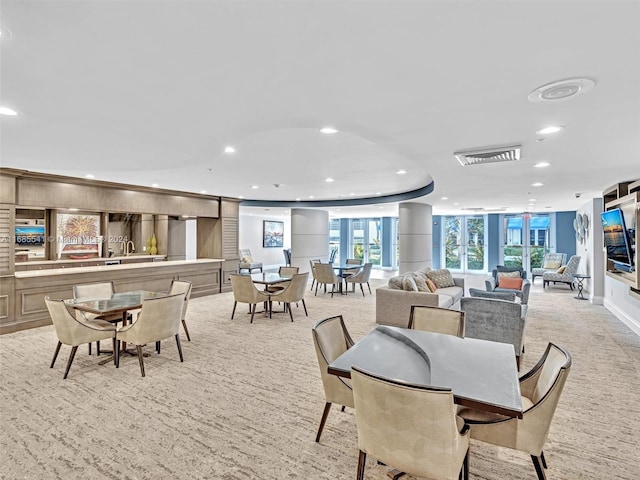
(27, 289)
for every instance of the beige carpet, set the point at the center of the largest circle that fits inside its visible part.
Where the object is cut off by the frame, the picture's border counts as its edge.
(246, 402)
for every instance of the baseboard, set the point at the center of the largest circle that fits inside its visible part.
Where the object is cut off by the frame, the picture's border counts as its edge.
(623, 317)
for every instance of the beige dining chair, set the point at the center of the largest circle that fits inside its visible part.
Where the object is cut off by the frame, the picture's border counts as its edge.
(182, 286)
(412, 428)
(244, 291)
(95, 291)
(347, 272)
(437, 319)
(331, 339)
(283, 271)
(159, 319)
(312, 264)
(74, 332)
(293, 292)
(361, 277)
(540, 390)
(326, 276)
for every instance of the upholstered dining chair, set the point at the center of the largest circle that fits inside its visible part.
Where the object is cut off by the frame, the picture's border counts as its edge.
(361, 277)
(351, 271)
(293, 292)
(95, 291)
(312, 264)
(74, 332)
(412, 428)
(276, 287)
(326, 276)
(287, 256)
(563, 276)
(540, 389)
(331, 339)
(437, 319)
(551, 262)
(244, 291)
(182, 286)
(159, 319)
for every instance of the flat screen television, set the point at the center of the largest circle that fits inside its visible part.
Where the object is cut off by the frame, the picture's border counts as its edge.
(29, 235)
(616, 238)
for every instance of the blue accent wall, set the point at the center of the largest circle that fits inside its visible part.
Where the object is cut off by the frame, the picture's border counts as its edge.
(493, 240)
(345, 235)
(565, 234)
(437, 236)
(387, 240)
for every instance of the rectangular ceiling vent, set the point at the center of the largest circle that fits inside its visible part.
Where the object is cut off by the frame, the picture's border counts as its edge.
(477, 156)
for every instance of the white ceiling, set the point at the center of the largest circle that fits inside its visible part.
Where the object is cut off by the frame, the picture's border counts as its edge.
(146, 92)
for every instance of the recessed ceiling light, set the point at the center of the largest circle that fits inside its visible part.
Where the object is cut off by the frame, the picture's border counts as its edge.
(155, 185)
(532, 200)
(561, 90)
(311, 196)
(329, 180)
(378, 193)
(254, 186)
(8, 111)
(73, 209)
(298, 199)
(229, 149)
(537, 184)
(401, 172)
(328, 130)
(456, 203)
(240, 196)
(444, 198)
(352, 194)
(88, 175)
(203, 191)
(548, 130)
(542, 164)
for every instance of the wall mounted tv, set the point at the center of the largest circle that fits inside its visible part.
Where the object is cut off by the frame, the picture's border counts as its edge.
(29, 235)
(616, 238)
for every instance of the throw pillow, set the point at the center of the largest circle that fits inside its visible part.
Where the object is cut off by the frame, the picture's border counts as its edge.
(508, 275)
(431, 285)
(509, 282)
(561, 269)
(420, 282)
(408, 283)
(247, 260)
(551, 265)
(442, 278)
(395, 283)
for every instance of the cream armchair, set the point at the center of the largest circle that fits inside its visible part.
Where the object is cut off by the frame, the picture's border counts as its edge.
(412, 428)
(331, 339)
(74, 332)
(540, 389)
(181, 286)
(244, 291)
(437, 319)
(361, 277)
(326, 276)
(293, 292)
(95, 291)
(159, 319)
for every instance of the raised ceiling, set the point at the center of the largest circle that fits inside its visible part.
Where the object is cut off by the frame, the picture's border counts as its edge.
(149, 92)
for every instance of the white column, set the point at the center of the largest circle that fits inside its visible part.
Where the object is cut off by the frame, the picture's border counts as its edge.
(415, 236)
(309, 237)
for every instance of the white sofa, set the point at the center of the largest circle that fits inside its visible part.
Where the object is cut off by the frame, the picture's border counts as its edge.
(393, 305)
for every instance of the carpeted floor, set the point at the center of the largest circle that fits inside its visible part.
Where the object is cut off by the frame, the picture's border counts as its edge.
(247, 401)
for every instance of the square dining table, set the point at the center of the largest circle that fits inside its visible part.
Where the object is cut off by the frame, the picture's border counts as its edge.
(480, 373)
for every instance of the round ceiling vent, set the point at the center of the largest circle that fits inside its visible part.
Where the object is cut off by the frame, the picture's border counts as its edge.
(561, 90)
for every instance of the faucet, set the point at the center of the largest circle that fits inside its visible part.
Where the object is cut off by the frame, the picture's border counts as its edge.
(125, 248)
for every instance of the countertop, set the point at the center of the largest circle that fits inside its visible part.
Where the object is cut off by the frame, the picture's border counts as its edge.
(122, 266)
(95, 259)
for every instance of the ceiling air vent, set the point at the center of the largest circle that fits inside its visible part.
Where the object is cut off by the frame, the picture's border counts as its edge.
(476, 156)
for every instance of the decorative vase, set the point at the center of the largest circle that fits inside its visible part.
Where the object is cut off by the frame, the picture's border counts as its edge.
(154, 245)
(149, 246)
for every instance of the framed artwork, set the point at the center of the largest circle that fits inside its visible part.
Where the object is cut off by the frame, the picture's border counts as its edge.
(272, 234)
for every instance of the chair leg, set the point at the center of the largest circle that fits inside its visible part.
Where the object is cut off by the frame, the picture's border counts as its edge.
(113, 346)
(312, 284)
(179, 347)
(316, 294)
(116, 353)
(305, 307)
(290, 310)
(544, 460)
(327, 407)
(253, 311)
(234, 309)
(465, 465)
(98, 348)
(89, 348)
(71, 357)
(186, 330)
(55, 354)
(362, 458)
(369, 288)
(139, 350)
(361, 289)
(158, 347)
(538, 466)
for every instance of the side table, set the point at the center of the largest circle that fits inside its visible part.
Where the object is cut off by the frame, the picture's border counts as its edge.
(580, 278)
